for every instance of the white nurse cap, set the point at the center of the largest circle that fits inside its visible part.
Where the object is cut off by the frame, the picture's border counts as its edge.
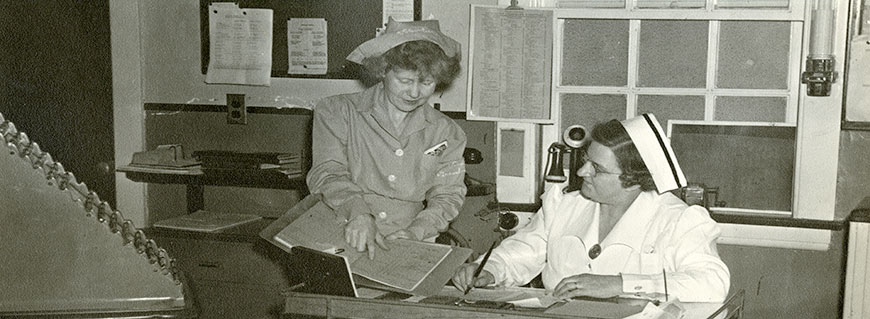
(655, 150)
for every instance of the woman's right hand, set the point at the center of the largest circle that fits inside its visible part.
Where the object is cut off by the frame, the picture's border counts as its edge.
(361, 233)
(465, 274)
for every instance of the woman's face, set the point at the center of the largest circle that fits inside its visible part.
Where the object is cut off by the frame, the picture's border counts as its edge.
(406, 90)
(600, 175)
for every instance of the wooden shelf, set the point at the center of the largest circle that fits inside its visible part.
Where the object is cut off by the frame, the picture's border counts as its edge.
(265, 178)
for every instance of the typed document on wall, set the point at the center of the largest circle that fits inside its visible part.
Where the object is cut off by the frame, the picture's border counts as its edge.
(511, 54)
(240, 45)
(307, 50)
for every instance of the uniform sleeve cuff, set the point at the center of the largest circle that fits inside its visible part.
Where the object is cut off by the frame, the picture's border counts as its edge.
(353, 207)
(418, 231)
(640, 284)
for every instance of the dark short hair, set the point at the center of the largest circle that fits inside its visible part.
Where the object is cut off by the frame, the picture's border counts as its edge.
(634, 171)
(420, 55)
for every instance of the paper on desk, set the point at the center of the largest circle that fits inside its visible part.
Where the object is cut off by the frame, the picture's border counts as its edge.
(669, 310)
(405, 265)
(595, 309)
(240, 45)
(497, 294)
(544, 301)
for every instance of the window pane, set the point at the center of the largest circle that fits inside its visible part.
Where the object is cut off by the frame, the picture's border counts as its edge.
(667, 107)
(672, 54)
(670, 4)
(753, 55)
(753, 4)
(595, 52)
(590, 3)
(753, 166)
(591, 109)
(757, 109)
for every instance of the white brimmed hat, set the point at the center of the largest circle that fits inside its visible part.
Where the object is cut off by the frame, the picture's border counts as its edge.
(655, 149)
(400, 32)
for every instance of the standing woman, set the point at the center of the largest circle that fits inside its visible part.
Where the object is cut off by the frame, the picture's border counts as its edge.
(384, 159)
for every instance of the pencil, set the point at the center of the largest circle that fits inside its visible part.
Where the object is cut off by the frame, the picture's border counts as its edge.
(665, 276)
(480, 267)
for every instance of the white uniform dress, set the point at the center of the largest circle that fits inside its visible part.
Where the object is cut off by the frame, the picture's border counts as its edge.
(657, 232)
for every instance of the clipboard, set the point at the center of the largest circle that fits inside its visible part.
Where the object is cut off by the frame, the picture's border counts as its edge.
(317, 272)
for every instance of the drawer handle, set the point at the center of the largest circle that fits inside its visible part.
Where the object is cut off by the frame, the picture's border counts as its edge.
(210, 264)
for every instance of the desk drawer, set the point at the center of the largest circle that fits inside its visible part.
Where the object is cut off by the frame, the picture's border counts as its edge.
(220, 300)
(236, 262)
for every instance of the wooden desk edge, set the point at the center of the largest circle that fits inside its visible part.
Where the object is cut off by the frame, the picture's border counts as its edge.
(347, 307)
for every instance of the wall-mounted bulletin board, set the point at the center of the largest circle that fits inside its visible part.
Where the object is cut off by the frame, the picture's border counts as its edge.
(349, 23)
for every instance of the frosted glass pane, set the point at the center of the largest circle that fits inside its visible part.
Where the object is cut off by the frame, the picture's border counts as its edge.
(753, 55)
(667, 107)
(590, 3)
(595, 52)
(753, 166)
(673, 54)
(783, 4)
(668, 4)
(589, 109)
(756, 109)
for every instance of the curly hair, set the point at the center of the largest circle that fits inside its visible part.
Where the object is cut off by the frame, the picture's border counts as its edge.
(422, 56)
(634, 172)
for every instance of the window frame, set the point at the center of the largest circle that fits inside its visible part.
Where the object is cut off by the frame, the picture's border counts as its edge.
(816, 118)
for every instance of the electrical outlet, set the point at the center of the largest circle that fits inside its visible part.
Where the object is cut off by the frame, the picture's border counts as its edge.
(236, 111)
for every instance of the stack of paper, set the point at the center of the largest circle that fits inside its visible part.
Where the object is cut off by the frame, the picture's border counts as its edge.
(206, 221)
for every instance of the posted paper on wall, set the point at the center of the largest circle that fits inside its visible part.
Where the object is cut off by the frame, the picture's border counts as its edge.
(240, 45)
(511, 55)
(400, 10)
(307, 50)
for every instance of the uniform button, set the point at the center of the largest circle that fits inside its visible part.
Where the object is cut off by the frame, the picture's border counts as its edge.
(400, 152)
(392, 178)
(382, 214)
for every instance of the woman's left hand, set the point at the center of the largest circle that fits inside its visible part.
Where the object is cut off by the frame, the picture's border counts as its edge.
(402, 233)
(589, 285)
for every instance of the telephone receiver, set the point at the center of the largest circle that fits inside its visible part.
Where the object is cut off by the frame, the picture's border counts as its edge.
(574, 137)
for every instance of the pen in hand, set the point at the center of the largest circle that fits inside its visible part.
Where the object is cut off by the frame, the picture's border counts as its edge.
(480, 267)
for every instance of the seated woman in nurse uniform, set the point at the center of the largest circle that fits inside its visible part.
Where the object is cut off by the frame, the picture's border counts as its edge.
(623, 233)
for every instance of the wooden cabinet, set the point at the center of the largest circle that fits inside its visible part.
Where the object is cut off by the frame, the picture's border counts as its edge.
(233, 273)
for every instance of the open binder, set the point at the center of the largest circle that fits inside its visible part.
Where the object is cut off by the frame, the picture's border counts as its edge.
(410, 267)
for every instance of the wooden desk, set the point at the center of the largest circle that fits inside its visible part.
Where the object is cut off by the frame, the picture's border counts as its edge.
(347, 307)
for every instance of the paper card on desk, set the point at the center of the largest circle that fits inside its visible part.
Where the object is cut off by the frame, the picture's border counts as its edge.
(206, 221)
(544, 301)
(493, 293)
(595, 309)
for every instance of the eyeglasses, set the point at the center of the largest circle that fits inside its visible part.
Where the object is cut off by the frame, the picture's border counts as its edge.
(596, 169)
